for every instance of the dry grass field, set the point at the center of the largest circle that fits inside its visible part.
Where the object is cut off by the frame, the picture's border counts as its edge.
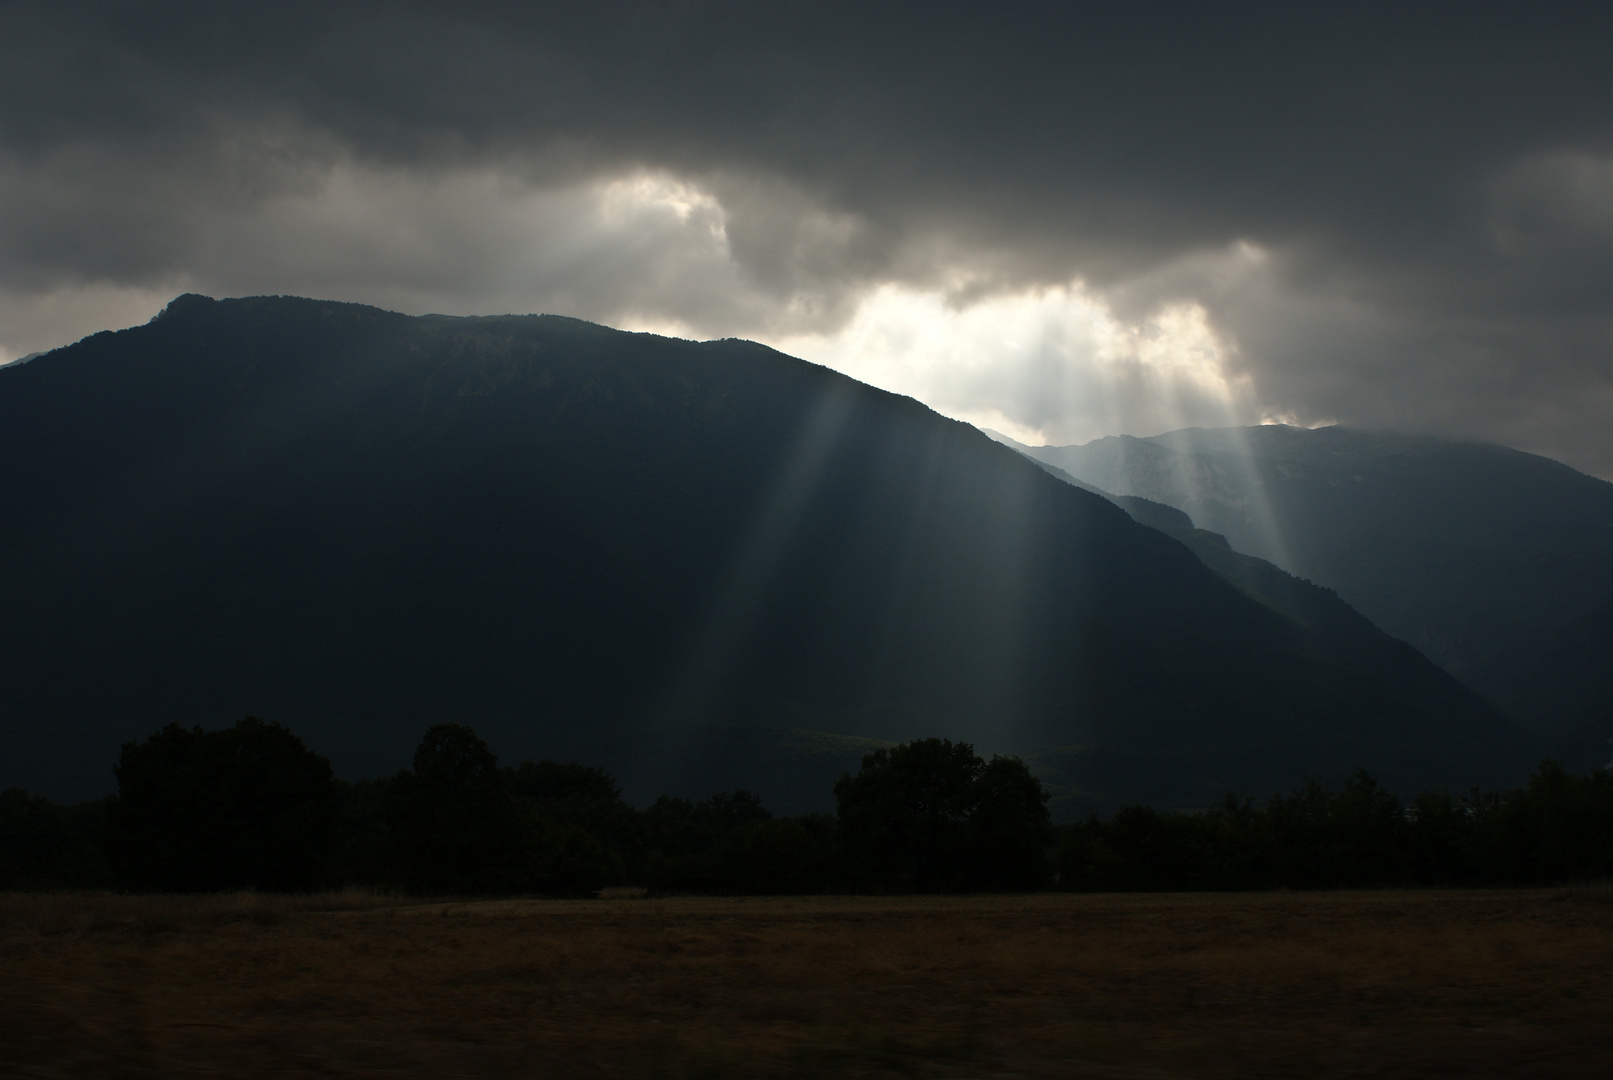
(1387, 984)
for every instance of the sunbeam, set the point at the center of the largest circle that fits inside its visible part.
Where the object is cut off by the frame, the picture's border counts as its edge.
(1052, 365)
(700, 677)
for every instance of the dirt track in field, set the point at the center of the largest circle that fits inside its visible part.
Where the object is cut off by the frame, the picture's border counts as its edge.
(1387, 984)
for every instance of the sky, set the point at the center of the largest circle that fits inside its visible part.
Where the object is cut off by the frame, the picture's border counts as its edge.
(1062, 221)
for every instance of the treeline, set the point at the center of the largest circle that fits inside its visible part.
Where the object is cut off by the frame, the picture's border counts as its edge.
(252, 807)
(1556, 829)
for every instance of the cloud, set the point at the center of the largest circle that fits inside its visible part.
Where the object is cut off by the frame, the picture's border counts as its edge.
(1049, 366)
(1554, 202)
(643, 247)
(1050, 214)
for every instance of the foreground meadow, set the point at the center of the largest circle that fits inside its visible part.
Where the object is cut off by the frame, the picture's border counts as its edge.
(1382, 984)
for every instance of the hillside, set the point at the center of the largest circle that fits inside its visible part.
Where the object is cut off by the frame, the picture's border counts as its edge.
(1304, 602)
(702, 565)
(1484, 558)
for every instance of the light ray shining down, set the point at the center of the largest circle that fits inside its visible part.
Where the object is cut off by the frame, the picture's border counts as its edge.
(756, 562)
(1046, 366)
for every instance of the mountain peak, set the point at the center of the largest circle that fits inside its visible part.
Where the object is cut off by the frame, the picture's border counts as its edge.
(182, 306)
(650, 554)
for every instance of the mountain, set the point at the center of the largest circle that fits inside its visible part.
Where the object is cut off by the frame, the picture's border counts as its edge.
(1303, 601)
(1491, 561)
(1569, 678)
(700, 564)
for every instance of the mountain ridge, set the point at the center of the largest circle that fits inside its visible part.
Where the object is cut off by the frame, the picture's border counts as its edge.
(1482, 556)
(611, 546)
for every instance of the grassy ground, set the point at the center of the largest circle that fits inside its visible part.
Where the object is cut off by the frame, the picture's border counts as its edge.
(1388, 984)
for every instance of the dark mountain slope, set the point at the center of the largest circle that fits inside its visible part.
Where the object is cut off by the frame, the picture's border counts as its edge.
(1572, 673)
(1304, 602)
(1478, 555)
(1319, 609)
(676, 559)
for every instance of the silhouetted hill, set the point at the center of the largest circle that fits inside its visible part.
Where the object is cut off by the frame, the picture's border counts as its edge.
(1482, 557)
(701, 565)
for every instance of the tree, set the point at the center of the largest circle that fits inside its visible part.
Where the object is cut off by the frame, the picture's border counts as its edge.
(451, 818)
(46, 846)
(576, 832)
(700, 846)
(1324, 839)
(931, 816)
(1557, 828)
(246, 807)
(1009, 829)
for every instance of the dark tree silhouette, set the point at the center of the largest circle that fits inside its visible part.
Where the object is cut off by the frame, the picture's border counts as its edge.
(575, 833)
(451, 816)
(1009, 828)
(251, 806)
(46, 846)
(246, 807)
(1557, 829)
(932, 816)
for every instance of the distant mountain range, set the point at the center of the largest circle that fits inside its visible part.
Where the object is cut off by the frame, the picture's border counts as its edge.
(1495, 563)
(701, 565)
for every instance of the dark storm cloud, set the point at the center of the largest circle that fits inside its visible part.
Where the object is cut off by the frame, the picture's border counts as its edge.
(1431, 187)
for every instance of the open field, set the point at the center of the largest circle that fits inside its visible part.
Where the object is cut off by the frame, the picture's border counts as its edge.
(1384, 984)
